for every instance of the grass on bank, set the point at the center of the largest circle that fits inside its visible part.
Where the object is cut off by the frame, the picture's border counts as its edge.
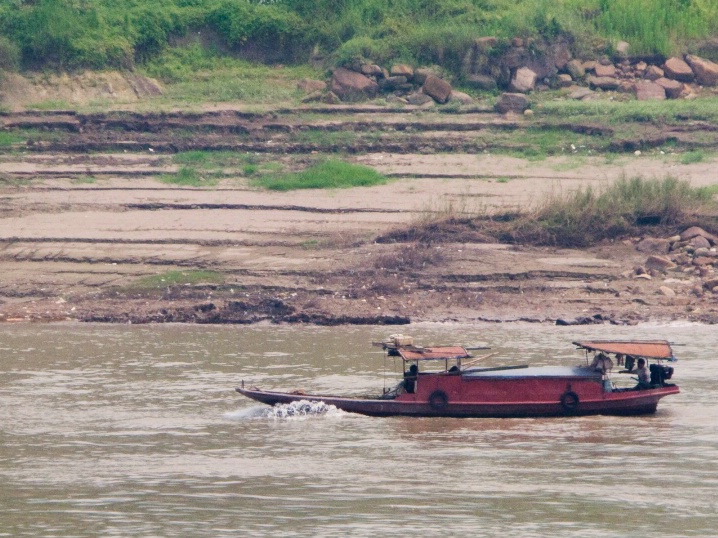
(580, 218)
(195, 74)
(326, 174)
(177, 278)
(207, 168)
(191, 177)
(587, 216)
(102, 34)
(692, 157)
(632, 111)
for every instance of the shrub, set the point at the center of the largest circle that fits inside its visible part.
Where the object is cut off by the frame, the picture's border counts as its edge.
(263, 25)
(9, 54)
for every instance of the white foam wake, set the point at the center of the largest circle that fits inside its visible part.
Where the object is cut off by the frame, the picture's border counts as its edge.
(301, 409)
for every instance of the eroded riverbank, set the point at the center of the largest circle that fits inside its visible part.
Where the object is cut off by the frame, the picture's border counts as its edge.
(105, 237)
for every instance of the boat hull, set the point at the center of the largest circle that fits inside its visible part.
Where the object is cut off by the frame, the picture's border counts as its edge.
(628, 402)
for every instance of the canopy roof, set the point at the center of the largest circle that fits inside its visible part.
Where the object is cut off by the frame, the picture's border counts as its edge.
(412, 353)
(652, 349)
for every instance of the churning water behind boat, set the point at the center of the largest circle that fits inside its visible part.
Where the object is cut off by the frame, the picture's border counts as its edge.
(137, 431)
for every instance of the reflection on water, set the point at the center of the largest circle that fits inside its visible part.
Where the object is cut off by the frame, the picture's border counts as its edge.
(136, 431)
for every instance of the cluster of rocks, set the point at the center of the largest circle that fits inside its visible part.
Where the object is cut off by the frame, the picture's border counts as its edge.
(693, 252)
(400, 83)
(674, 78)
(519, 67)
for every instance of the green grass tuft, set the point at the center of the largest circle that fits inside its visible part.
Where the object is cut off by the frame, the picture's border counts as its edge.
(189, 177)
(178, 278)
(329, 174)
(692, 157)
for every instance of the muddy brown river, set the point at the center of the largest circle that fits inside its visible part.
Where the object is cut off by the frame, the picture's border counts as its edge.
(131, 431)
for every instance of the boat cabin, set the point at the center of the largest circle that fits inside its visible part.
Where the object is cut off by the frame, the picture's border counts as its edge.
(628, 356)
(603, 359)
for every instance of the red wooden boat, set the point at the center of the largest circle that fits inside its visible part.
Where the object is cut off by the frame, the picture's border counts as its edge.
(460, 389)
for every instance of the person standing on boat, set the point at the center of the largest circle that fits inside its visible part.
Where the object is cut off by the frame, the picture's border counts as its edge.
(644, 377)
(410, 378)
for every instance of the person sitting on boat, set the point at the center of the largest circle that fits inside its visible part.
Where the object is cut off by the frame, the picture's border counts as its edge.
(644, 377)
(410, 378)
(602, 363)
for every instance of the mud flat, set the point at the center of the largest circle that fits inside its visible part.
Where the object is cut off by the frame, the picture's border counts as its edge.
(88, 231)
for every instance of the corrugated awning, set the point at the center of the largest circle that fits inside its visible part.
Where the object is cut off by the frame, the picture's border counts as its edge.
(652, 349)
(433, 353)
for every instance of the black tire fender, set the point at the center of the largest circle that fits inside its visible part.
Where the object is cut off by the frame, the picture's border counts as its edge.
(438, 400)
(569, 401)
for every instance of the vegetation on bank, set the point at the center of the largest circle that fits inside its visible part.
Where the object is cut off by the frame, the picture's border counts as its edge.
(173, 279)
(326, 174)
(586, 216)
(581, 218)
(206, 169)
(99, 34)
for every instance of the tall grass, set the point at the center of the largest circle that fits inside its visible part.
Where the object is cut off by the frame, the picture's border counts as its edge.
(586, 216)
(196, 74)
(656, 25)
(125, 33)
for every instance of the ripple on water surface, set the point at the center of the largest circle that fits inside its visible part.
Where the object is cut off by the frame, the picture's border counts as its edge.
(137, 431)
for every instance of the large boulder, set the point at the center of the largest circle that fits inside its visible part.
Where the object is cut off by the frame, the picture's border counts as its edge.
(659, 263)
(677, 69)
(653, 245)
(622, 48)
(393, 83)
(523, 81)
(605, 70)
(561, 54)
(436, 88)
(575, 69)
(372, 70)
(673, 88)
(603, 83)
(512, 102)
(461, 98)
(706, 72)
(582, 94)
(564, 80)
(422, 73)
(418, 99)
(696, 231)
(647, 90)
(352, 86)
(402, 70)
(653, 72)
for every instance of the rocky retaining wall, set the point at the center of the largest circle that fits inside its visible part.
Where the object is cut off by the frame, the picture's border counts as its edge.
(520, 67)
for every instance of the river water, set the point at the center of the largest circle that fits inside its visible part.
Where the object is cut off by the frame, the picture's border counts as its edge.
(137, 431)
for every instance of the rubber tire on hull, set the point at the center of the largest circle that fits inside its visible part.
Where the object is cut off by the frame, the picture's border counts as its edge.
(569, 401)
(438, 400)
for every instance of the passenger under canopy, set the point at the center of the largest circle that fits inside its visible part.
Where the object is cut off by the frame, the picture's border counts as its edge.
(650, 349)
